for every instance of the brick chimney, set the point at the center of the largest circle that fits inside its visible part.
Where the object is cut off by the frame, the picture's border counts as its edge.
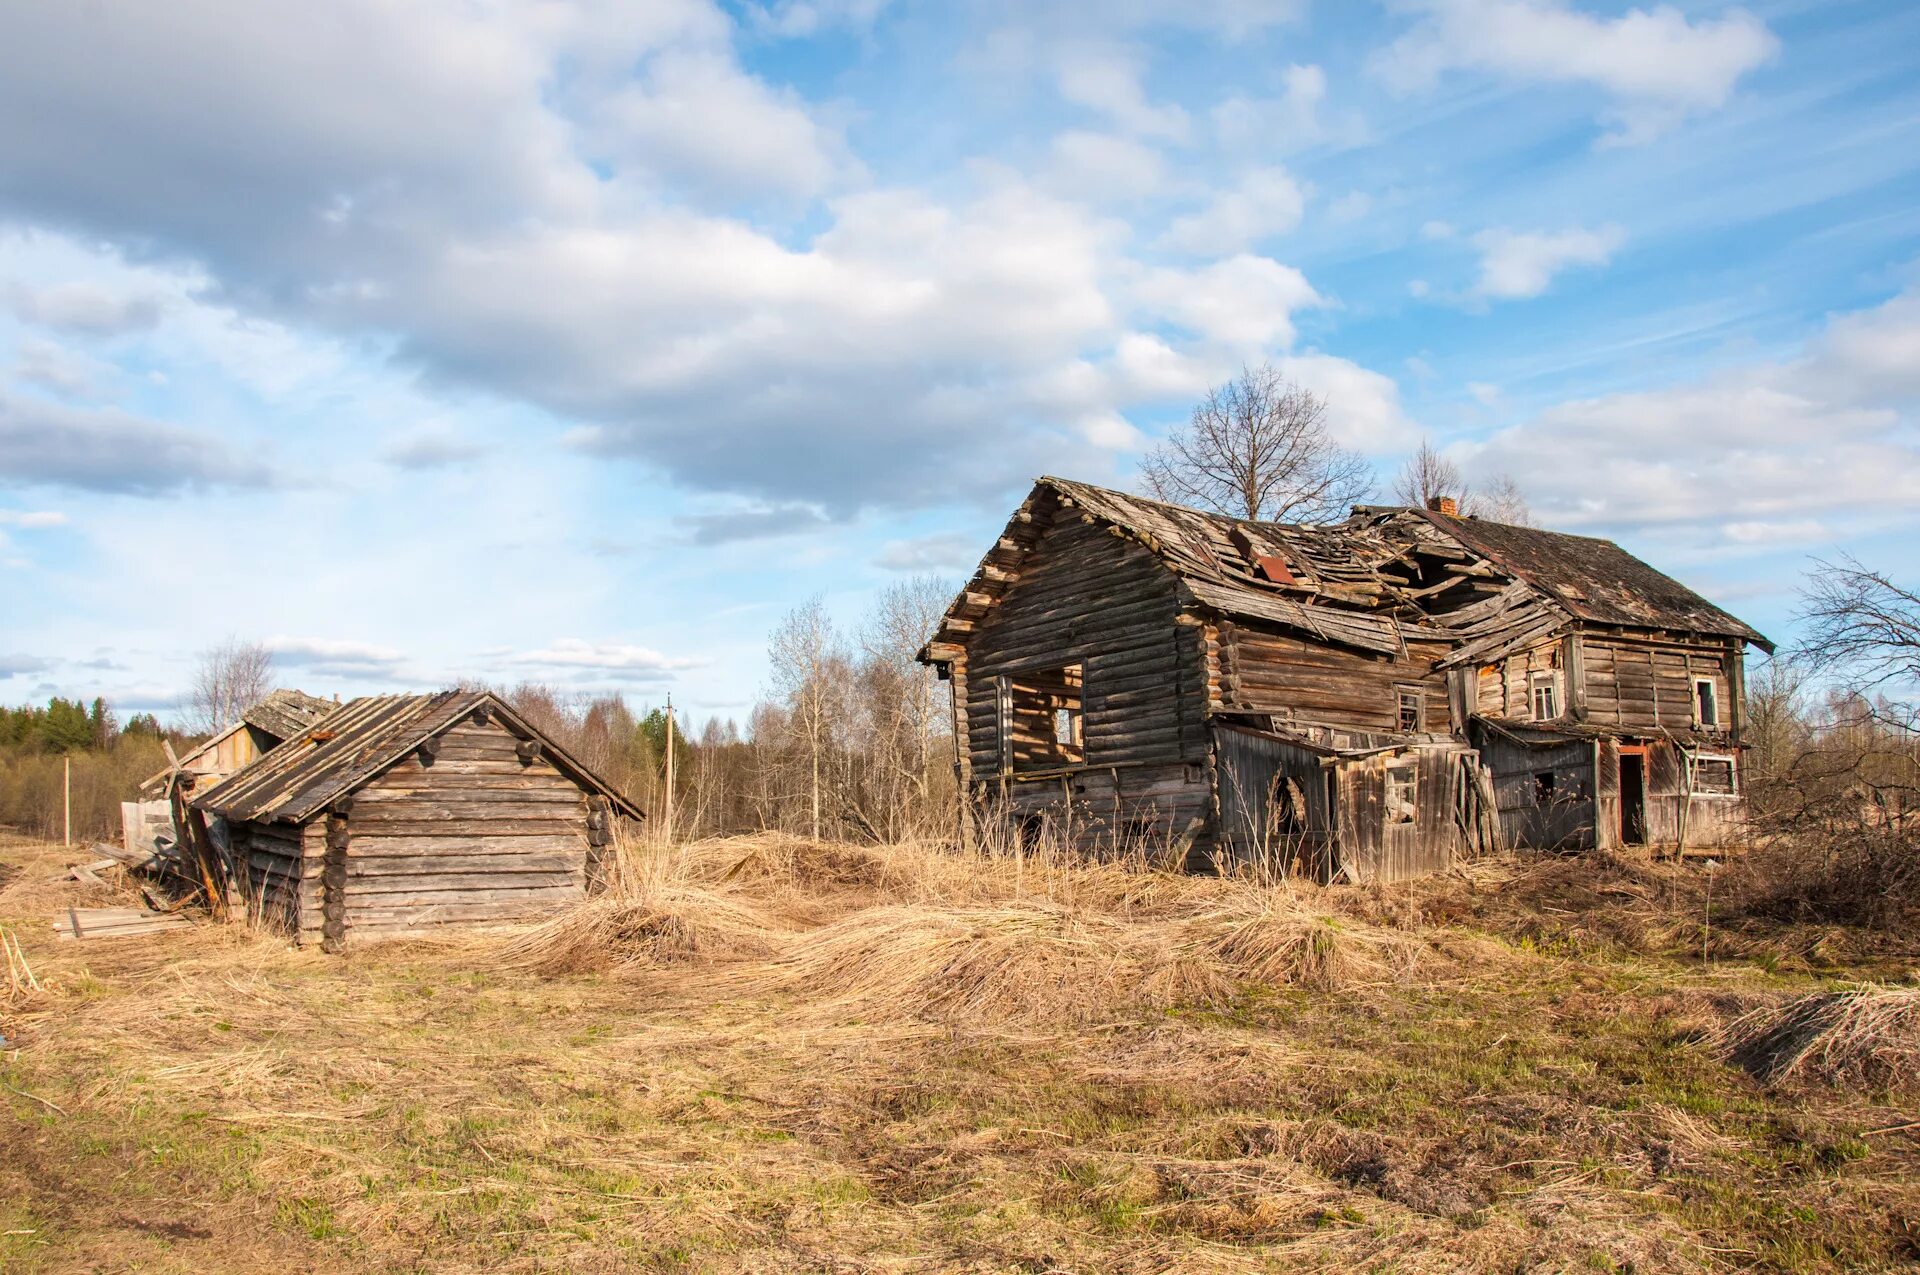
(1444, 505)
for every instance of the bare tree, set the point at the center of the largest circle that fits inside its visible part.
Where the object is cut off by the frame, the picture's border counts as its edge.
(1258, 447)
(905, 718)
(1861, 625)
(811, 674)
(1501, 500)
(1428, 476)
(228, 678)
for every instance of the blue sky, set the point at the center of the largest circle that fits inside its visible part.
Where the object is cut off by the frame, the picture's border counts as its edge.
(578, 341)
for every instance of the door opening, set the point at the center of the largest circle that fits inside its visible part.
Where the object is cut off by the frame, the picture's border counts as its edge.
(1633, 799)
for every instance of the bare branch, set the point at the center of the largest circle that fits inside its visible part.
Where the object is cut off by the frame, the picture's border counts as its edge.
(1258, 447)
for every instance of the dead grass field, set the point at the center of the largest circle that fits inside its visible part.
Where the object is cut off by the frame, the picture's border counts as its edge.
(766, 1055)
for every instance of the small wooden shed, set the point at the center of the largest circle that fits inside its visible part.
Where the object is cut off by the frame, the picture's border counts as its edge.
(401, 812)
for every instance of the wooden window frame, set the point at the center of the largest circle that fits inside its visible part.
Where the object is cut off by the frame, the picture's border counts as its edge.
(1397, 773)
(1403, 692)
(1712, 697)
(1693, 775)
(1543, 680)
(1037, 711)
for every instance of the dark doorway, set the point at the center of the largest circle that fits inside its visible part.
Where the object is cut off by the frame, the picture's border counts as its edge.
(1633, 799)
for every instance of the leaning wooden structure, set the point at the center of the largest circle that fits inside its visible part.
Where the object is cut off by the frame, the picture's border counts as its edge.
(399, 812)
(1360, 702)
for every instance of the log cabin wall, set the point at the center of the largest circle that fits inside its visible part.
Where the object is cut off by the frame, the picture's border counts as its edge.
(1632, 682)
(1106, 606)
(1309, 683)
(473, 834)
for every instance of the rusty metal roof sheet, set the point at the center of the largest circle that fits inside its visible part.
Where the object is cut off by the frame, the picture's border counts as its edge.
(343, 750)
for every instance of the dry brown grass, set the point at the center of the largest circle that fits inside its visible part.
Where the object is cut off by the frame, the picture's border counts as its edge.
(1866, 1035)
(769, 1055)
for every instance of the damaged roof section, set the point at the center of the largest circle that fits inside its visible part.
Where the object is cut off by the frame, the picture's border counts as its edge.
(1387, 576)
(318, 766)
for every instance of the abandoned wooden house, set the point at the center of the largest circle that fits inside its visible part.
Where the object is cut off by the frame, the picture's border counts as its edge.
(398, 812)
(276, 716)
(1360, 701)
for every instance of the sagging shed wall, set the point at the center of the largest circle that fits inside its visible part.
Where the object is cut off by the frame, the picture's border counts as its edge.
(1104, 604)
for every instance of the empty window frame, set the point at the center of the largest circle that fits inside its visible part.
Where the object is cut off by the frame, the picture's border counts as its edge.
(1409, 702)
(1706, 702)
(1543, 695)
(1713, 775)
(1040, 719)
(1402, 789)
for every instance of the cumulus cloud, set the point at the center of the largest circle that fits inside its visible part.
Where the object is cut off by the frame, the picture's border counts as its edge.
(22, 665)
(1657, 65)
(32, 518)
(107, 450)
(327, 657)
(1109, 81)
(1524, 263)
(85, 308)
(1284, 122)
(1265, 203)
(1752, 452)
(1091, 165)
(59, 370)
(760, 523)
(436, 449)
(1244, 302)
(943, 551)
(631, 663)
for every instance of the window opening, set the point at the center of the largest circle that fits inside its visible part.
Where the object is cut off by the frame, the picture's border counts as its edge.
(1706, 702)
(1713, 775)
(1545, 691)
(1400, 792)
(1041, 719)
(1543, 785)
(1409, 701)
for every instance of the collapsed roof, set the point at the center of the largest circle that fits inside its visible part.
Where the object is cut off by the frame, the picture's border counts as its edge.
(1386, 576)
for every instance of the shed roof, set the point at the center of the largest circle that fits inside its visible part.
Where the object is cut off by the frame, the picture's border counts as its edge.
(319, 765)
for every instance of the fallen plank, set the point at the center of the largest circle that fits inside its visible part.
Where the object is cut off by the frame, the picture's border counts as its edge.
(108, 923)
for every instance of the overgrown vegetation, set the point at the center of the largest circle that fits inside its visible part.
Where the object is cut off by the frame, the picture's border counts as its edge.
(43, 749)
(775, 1054)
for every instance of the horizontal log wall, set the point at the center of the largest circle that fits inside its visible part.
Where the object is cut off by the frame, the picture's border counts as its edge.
(1088, 598)
(1264, 671)
(474, 835)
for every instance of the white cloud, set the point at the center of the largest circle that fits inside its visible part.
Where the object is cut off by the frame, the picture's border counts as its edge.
(1750, 455)
(1657, 65)
(1266, 203)
(1109, 81)
(83, 307)
(327, 657)
(433, 449)
(698, 119)
(1484, 393)
(605, 657)
(1278, 124)
(1363, 406)
(1523, 264)
(67, 372)
(106, 450)
(1090, 165)
(945, 551)
(32, 519)
(1243, 302)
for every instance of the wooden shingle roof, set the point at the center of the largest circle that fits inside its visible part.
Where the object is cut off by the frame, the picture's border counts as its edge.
(316, 767)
